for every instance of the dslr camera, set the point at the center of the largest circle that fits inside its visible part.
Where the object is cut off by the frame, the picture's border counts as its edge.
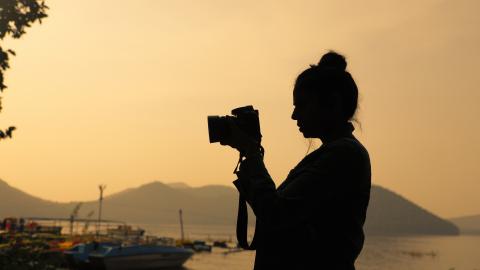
(246, 118)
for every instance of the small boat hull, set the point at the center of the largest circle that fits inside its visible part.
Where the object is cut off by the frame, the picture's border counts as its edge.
(77, 256)
(139, 258)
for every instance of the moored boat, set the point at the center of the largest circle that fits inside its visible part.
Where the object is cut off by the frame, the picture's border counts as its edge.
(125, 232)
(77, 256)
(139, 257)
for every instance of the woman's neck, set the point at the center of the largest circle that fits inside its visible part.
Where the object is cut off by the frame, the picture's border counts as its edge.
(341, 130)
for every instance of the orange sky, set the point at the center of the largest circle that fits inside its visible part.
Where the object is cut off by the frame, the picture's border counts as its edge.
(117, 92)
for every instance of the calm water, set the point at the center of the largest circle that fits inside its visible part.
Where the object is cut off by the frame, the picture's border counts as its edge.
(379, 253)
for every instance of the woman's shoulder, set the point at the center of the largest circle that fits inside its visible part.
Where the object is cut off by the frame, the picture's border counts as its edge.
(347, 147)
(341, 151)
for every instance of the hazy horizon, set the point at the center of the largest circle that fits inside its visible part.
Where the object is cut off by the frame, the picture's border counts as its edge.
(117, 92)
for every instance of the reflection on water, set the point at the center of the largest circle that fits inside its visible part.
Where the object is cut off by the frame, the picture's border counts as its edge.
(379, 253)
(421, 252)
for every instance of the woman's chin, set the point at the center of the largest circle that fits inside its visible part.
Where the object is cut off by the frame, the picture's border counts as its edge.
(306, 135)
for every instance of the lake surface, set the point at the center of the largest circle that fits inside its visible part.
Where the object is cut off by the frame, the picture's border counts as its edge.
(379, 253)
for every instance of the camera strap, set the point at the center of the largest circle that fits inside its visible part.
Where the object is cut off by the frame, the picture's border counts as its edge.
(235, 171)
(241, 156)
(242, 216)
(242, 226)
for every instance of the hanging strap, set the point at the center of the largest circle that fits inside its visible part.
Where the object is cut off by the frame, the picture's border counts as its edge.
(242, 226)
(242, 216)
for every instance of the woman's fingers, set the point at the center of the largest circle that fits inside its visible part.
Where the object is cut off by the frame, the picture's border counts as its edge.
(238, 138)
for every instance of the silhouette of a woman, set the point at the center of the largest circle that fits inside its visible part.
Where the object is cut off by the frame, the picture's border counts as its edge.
(314, 219)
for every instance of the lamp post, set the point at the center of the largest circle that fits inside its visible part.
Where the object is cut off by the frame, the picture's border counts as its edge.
(181, 226)
(100, 201)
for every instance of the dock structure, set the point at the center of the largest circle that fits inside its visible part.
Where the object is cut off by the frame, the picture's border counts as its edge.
(73, 225)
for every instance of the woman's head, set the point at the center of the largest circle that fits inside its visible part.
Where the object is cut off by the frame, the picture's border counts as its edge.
(325, 96)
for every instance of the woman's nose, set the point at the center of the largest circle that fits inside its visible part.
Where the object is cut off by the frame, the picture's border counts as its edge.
(294, 115)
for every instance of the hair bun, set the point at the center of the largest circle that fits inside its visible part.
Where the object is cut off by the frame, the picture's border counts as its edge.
(333, 60)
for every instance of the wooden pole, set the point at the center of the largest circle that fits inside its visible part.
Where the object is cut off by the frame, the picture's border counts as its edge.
(181, 226)
(101, 188)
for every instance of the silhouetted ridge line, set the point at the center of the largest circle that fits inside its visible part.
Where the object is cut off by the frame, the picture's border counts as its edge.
(158, 203)
(391, 213)
(468, 224)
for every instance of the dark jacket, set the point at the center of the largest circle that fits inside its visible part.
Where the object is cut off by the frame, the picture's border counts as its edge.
(314, 219)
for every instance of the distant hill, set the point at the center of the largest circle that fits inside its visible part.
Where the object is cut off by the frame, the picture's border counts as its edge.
(468, 224)
(391, 213)
(178, 185)
(14, 202)
(158, 203)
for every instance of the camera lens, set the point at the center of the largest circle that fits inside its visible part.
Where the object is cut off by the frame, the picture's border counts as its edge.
(217, 128)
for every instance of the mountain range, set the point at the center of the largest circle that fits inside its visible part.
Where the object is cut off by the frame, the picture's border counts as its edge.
(468, 224)
(158, 203)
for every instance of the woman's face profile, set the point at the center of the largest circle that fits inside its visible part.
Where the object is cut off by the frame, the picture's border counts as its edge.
(313, 115)
(304, 112)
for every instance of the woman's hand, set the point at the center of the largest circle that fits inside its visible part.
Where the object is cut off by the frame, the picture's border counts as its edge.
(240, 140)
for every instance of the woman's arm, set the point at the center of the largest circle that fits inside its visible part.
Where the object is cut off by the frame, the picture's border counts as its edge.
(317, 188)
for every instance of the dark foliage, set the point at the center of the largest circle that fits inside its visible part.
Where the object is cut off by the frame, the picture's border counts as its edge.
(32, 256)
(15, 17)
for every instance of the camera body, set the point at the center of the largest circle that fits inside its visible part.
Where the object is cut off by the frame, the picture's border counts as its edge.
(246, 118)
